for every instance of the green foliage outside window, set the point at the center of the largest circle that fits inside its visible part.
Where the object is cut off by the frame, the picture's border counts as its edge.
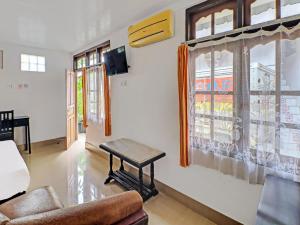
(79, 99)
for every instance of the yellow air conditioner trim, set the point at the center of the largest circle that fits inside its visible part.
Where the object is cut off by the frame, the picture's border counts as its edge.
(156, 28)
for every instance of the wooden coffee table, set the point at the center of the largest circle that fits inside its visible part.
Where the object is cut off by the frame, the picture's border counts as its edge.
(137, 155)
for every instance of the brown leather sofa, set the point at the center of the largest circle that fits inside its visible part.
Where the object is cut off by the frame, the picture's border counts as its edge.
(42, 207)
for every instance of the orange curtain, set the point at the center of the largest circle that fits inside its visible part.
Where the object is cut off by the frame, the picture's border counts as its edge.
(107, 129)
(183, 103)
(84, 97)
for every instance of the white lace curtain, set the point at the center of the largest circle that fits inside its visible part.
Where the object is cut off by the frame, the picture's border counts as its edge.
(244, 104)
(95, 95)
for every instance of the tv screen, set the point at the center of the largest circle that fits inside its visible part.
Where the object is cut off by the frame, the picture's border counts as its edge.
(115, 61)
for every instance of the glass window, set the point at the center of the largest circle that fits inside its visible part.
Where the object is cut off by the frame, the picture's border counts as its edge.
(203, 72)
(290, 7)
(203, 104)
(223, 131)
(223, 21)
(262, 67)
(290, 66)
(102, 53)
(262, 11)
(290, 142)
(81, 62)
(203, 27)
(33, 63)
(93, 59)
(262, 137)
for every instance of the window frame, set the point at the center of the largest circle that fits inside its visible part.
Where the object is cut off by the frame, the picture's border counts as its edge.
(211, 7)
(37, 64)
(242, 11)
(96, 53)
(86, 55)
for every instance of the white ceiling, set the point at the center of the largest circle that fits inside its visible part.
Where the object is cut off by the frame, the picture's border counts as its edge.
(68, 24)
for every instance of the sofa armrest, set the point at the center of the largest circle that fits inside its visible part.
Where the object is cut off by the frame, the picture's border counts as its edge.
(138, 218)
(103, 212)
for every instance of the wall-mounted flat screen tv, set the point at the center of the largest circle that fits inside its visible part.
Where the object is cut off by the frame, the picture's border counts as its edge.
(116, 61)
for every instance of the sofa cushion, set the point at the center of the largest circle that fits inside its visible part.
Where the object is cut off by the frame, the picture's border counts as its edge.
(38, 201)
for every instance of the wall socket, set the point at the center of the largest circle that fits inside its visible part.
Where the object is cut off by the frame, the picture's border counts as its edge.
(124, 83)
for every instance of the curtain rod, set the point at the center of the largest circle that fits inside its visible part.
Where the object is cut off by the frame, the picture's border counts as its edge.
(252, 28)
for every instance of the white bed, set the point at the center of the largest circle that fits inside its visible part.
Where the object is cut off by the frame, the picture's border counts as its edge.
(14, 174)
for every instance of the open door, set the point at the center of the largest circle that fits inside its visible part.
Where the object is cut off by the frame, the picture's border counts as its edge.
(71, 108)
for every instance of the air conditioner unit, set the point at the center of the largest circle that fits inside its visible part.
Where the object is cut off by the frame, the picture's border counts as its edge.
(153, 29)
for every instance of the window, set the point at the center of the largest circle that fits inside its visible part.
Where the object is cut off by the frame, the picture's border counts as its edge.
(262, 11)
(81, 62)
(290, 7)
(92, 60)
(214, 96)
(92, 94)
(210, 18)
(218, 16)
(92, 57)
(32, 63)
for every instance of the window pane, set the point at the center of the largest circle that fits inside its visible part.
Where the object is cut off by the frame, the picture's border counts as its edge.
(290, 7)
(223, 105)
(202, 127)
(92, 97)
(262, 71)
(262, 11)
(203, 72)
(79, 64)
(290, 109)
(262, 137)
(262, 108)
(223, 21)
(203, 104)
(24, 58)
(290, 66)
(41, 60)
(33, 59)
(93, 108)
(290, 142)
(33, 67)
(93, 59)
(41, 68)
(24, 66)
(223, 131)
(203, 27)
(92, 81)
(223, 71)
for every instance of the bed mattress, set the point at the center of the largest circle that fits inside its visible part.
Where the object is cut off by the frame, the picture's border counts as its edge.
(14, 174)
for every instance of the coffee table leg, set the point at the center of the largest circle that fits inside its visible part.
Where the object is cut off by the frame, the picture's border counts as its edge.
(122, 166)
(110, 169)
(152, 185)
(141, 181)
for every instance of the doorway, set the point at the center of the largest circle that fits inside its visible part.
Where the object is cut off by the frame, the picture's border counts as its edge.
(81, 128)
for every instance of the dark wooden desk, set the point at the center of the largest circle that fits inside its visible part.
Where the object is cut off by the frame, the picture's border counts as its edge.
(280, 202)
(23, 121)
(137, 155)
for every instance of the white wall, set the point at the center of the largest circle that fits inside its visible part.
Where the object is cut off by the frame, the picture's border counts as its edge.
(146, 110)
(44, 99)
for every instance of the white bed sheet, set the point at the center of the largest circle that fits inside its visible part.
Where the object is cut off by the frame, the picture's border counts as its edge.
(14, 174)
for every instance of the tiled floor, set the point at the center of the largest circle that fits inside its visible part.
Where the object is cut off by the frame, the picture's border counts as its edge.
(77, 175)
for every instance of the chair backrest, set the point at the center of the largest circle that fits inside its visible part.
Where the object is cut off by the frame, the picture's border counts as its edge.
(6, 125)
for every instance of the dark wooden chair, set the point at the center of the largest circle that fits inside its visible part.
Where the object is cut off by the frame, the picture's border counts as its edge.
(6, 125)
